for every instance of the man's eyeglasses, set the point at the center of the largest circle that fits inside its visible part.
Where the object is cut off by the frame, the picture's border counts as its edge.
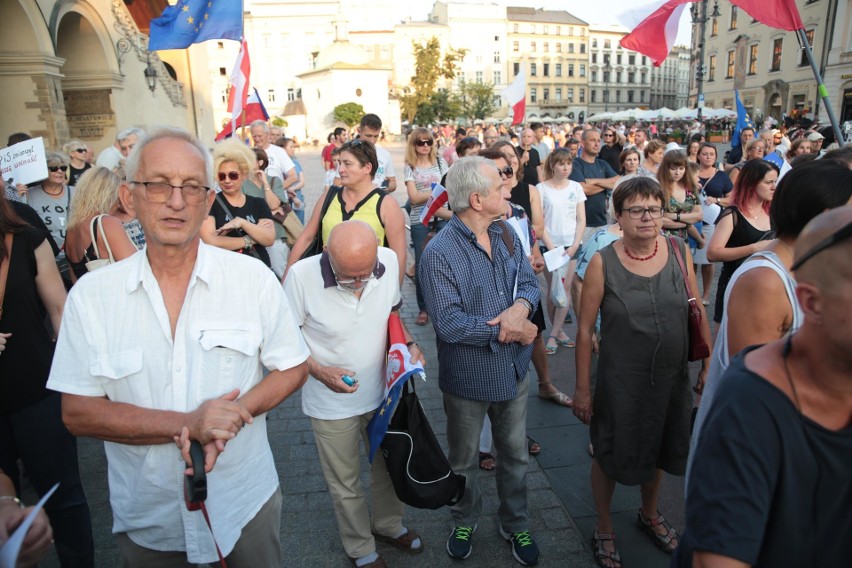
(233, 176)
(426, 142)
(841, 234)
(507, 172)
(639, 212)
(54, 169)
(160, 192)
(346, 281)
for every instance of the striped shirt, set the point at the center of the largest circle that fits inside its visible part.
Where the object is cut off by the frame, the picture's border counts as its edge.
(464, 289)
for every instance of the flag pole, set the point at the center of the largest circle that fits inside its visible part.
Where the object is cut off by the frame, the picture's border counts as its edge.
(243, 125)
(821, 90)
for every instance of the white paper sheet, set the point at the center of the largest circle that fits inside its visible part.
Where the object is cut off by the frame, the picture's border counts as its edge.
(522, 229)
(12, 548)
(556, 258)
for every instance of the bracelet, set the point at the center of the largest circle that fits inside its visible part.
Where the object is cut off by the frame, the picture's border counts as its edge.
(412, 343)
(248, 241)
(13, 499)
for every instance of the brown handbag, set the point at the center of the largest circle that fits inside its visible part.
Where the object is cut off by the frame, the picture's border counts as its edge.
(698, 348)
(4, 270)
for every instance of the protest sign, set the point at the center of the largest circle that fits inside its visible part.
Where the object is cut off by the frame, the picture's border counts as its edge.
(24, 162)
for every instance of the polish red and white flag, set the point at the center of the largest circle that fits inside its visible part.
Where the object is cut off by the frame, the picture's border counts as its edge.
(779, 14)
(516, 95)
(239, 82)
(438, 199)
(654, 28)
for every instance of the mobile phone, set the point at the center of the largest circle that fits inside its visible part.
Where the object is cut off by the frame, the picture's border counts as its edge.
(348, 380)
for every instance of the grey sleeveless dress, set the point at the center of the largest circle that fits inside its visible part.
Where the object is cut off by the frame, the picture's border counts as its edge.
(643, 398)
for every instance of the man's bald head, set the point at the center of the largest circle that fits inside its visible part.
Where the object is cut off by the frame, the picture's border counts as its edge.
(831, 265)
(352, 239)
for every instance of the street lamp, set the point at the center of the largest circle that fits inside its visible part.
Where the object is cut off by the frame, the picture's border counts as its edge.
(702, 21)
(151, 75)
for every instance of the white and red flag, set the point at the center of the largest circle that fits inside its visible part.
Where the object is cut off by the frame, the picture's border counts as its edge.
(654, 28)
(239, 82)
(516, 95)
(437, 200)
(779, 14)
(254, 110)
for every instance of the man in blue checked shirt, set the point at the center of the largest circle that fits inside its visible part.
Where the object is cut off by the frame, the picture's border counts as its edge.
(480, 292)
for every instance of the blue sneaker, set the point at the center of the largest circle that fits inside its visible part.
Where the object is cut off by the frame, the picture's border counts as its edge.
(524, 548)
(458, 545)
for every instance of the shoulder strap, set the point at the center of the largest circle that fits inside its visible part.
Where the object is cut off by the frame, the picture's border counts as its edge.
(224, 206)
(506, 235)
(104, 237)
(329, 196)
(382, 194)
(4, 269)
(680, 263)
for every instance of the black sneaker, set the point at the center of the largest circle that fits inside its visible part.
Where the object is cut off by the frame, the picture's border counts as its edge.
(458, 545)
(524, 548)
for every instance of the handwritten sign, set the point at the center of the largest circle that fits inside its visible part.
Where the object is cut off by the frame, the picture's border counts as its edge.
(24, 162)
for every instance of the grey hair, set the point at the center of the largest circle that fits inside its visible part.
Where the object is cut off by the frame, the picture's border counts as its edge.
(260, 123)
(128, 132)
(587, 132)
(56, 159)
(464, 178)
(134, 160)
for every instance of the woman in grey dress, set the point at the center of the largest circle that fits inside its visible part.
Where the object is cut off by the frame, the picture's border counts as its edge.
(640, 415)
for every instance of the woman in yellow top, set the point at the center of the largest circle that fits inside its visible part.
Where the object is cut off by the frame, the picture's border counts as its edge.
(357, 199)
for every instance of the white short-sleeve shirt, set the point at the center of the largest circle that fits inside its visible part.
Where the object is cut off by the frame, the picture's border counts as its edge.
(385, 169)
(344, 331)
(279, 162)
(116, 342)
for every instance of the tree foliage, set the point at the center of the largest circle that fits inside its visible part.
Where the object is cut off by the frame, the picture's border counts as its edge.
(476, 100)
(348, 113)
(441, 106)
(429, 67)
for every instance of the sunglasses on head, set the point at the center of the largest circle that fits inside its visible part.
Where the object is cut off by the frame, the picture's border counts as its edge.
(55, 169)
(427, 142)
(233, 176)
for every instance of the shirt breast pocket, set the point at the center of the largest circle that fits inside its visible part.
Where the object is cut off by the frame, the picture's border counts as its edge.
(123, 373)
(230, 360)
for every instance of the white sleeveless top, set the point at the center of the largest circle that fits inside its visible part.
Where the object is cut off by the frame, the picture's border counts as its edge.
(560, 211)
(720, 360)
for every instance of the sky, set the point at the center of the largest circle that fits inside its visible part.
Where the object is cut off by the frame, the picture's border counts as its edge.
(593, 12)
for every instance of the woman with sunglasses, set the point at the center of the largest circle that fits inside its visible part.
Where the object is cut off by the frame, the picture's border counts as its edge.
(52, 201)
(237, 221)
(423, 167)
(77, 153)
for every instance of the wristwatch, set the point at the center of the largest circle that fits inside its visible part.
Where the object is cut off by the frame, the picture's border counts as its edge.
(678, 217)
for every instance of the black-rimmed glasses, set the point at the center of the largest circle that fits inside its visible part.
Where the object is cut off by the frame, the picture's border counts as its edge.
(426, 142)
(160, 191)
(54, 169)
(639, 212)
(841, 234)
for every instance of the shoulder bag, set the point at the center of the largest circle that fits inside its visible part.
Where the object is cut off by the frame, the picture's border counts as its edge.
(250, 250)
(698, 348)
(4, 270)
(419, 470)
(99, 262)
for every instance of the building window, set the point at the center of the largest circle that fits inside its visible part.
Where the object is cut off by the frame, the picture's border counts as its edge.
(606, 76)
(546, 69)
(631, 77)
(594, 43)
(496, 38)
(594, 58)
(516, 68)
(631, 59)
(733, 18)
(570, 69)
(618, 59)
(291, 95)
(641, 96)
(629, 96)
(594, 76)
(570, 94)
(714, 29)
(804, 60)
(607, 44)
(558, 69)
(582, 95)
(498, 79)
(225, 93)
(558, 92)
(532, 46)
(222, 72)
(545, 94)
(479, 77)
(516, 46)
(594, 96)
(220, 44)
(570, 30)
(570, 48)
(711, 74)
(558, 30)
(752, 59)
(777, 46)
(545, 33)
(533, 95)
(546, 47)
(618, 95)
(730, 73)
(582, 48)
(515, 28)
(532, 69)
(496, 57)
(644, 60)
(558, 48)
(618, 77)
(270, 95)
(582, 70)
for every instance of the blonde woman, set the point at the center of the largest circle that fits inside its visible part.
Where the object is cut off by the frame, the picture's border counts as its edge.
(423, 167)
(237, 221)
(95, 196)
(77, 152)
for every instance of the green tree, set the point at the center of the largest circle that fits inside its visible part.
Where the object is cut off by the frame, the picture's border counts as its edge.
(278, 121)
(348, 113)
(441, 106)
(476, 99)
(429, 66)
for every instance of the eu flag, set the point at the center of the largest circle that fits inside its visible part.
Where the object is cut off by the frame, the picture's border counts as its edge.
(194, 21)
(743, 121)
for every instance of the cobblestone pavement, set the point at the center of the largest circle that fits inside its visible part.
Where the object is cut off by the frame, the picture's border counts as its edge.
(560, 501)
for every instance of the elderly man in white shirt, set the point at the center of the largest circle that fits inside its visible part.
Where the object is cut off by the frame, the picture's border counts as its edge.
(280, 164)
(174, 340)
(342, 300)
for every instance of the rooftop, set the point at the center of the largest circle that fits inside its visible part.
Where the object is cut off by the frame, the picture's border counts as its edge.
(523, 14)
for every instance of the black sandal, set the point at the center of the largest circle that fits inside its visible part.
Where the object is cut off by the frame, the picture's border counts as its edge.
(662, 541)
(601, 553)
(533, 447)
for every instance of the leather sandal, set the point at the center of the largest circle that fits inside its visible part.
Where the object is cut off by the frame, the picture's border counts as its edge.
(602, 554)
(666, 542)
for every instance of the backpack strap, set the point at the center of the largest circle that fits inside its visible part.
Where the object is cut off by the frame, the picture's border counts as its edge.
(506, 235)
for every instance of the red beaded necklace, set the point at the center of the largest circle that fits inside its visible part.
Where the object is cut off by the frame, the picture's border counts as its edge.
(643, 258)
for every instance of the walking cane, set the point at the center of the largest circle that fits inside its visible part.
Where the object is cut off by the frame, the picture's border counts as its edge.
(195, 490)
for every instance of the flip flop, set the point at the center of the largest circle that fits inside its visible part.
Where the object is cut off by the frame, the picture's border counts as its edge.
(565, 342)
(559, 398)
(551, 349)
(487, 461)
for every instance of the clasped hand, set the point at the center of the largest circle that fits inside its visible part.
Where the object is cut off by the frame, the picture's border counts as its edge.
(515, 327)
(213, 424)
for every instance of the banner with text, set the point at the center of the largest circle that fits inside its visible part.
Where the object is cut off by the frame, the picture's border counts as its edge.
(24, 162)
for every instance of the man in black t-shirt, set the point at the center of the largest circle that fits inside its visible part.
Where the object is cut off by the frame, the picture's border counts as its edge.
(612, 147)
(597, 177)
(530, 160)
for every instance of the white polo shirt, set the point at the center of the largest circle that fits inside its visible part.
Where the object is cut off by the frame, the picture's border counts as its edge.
(344, 331)
(279, 162)
(385, 169)
(116, 342)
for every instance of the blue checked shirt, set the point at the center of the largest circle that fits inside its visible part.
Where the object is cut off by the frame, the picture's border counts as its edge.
(464, 289)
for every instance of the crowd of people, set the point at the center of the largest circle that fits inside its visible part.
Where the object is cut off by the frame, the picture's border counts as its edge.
(608, 228)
